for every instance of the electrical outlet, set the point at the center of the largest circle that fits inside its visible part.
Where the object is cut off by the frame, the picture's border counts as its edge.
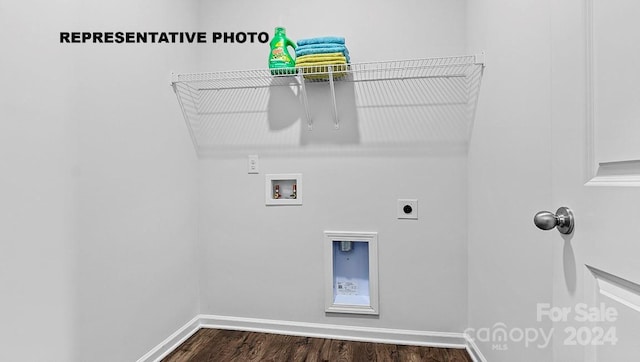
(253, 164)
(407, 208)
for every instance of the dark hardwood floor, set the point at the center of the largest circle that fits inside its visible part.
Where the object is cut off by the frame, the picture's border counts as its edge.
(224, 345)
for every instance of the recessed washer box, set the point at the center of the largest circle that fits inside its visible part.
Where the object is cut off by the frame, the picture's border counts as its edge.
(351, 272)
(283, 189)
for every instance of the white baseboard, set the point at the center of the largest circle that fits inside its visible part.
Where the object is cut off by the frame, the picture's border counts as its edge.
(172, 342)
(473, 350)
(333, 331)
(317, 330)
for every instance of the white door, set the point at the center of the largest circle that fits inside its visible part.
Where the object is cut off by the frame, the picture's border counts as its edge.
(595, 96)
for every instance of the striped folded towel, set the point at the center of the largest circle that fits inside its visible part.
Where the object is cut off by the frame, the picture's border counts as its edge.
(322, 40)
(316, 66)
(316, 58)
(323, 49)
(323, 45)
(328, 48)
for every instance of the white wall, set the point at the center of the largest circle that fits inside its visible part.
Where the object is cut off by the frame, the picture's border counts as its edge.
(99, 186)
(38, 247)
(267, 262)
(137, 185)
(510, 261)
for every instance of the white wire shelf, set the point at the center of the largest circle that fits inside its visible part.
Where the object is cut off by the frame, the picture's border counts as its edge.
(418, 83)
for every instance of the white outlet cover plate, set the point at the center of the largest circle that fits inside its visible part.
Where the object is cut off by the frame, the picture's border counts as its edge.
(253, 164)
(414, 208)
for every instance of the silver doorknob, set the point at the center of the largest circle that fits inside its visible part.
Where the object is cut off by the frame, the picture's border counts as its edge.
(563, 219)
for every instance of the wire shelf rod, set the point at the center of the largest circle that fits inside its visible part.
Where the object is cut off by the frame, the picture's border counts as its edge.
(305, 101)
(333, 98)
(242, 87)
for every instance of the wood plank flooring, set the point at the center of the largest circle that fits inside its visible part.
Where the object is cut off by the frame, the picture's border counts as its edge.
(208, 345)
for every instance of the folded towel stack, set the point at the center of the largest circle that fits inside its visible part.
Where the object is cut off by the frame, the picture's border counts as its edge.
(315, 55)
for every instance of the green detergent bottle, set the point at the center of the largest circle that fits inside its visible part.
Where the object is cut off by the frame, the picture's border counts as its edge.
(280, 60)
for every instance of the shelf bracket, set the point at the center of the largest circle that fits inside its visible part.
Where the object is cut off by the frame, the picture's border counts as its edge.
(333, 98)
(305, 101)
